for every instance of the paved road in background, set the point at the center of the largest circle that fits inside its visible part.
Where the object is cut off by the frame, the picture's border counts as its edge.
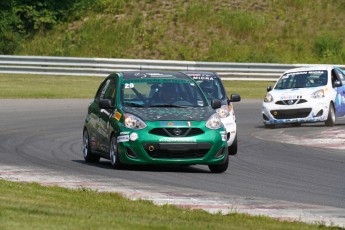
(285, 173)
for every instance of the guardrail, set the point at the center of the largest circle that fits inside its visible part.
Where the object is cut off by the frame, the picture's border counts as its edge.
(75, 66)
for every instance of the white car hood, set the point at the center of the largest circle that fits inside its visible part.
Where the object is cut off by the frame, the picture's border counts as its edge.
(295, 93)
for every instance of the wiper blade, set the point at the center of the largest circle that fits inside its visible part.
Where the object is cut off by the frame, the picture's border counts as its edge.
(168, 105)
(132, 104)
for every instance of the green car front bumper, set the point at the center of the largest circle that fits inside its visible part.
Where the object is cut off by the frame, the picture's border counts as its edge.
(157, 144)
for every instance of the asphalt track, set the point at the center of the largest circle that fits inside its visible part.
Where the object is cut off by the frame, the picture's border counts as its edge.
(290, 173)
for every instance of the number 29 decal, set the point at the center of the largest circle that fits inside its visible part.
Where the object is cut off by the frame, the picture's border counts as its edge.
(129, 85)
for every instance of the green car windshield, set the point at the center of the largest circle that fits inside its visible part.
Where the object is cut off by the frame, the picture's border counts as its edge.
(303, 79)
(157, 92)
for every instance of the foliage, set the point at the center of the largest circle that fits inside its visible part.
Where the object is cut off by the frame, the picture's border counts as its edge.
(20, 19)
(289, 31)
(327, 46)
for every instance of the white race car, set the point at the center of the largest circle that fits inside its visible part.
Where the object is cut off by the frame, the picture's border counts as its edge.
(212, 86)
(301, 95)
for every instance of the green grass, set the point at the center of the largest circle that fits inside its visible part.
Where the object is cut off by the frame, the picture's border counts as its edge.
(248, 89)
(46, 86)
(31, 206)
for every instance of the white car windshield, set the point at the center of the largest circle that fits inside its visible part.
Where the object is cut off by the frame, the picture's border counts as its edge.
(303, 79)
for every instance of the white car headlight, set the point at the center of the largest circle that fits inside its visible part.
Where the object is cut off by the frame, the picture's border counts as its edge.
(214, 122)
(318, 94)
(133, 122)
(268, 98)
(223, 111)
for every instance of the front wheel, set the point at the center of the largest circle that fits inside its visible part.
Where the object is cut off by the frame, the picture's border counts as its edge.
(114, 155)
(88, 155)
(331, 116)
(221, 167)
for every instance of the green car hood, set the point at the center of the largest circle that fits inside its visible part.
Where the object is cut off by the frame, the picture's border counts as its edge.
(177, 114)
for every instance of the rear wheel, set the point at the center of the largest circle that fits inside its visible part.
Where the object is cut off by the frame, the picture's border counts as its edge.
(331, 116)
(221, 167)
(114, 155)
(88, 155)
(233, 148)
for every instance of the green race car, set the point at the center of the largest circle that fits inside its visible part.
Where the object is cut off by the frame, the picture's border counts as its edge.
(147, 117)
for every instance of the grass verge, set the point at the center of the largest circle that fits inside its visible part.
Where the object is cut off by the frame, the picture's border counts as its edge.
(248, 89)
(32, 206)
(46, 86)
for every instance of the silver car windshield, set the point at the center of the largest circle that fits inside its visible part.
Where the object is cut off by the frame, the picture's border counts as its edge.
(212, 88)
(303, 79)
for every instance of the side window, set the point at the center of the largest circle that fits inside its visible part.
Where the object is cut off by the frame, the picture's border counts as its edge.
(219, 90)
(102, 89)
(341, 76)
(107, 90)
(110, 92)
(337, 76)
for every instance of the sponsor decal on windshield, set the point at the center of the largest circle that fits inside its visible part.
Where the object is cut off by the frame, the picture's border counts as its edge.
(202, 77)
(155, 81)
(144, 75)
(304, 73)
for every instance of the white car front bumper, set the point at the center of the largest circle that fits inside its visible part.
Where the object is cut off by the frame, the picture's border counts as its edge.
(313, 110)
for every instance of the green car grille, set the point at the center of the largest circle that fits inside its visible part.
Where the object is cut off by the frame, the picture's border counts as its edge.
(174, 132)
(177, 150)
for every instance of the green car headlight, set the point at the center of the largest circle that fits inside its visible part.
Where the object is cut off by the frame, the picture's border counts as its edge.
(214, 122)
(133, 122)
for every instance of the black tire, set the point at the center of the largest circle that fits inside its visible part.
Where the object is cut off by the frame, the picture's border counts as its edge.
(233, 148)
(331, 116)
(296, 124)
(88, 155)
(113, 154)
(270, 126)
(221, 167)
